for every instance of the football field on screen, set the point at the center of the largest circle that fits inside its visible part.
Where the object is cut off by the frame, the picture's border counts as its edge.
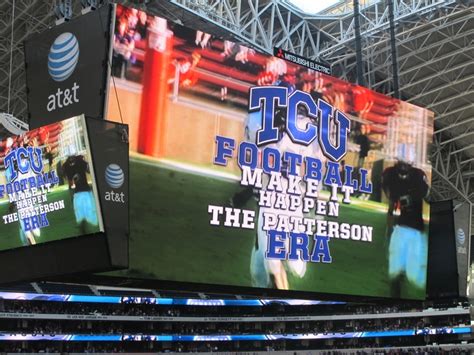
(62, 223)
(171, 238)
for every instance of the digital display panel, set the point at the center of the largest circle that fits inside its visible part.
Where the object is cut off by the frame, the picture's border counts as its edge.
(160, 301)
(47, 186)
(217, 337)
(248, 170)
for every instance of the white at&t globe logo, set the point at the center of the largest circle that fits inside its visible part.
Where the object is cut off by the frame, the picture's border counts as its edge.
(460, 236)
(114, 176)
(63, 56)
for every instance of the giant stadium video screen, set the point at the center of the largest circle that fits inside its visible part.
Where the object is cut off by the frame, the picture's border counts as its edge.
(47, 186)
(248, 170)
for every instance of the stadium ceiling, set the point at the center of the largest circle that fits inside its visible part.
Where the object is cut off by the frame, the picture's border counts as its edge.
(435, 43)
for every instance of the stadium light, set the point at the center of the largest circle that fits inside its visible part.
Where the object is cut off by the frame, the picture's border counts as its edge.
(90, 5)
(63, 11)
(13, 124)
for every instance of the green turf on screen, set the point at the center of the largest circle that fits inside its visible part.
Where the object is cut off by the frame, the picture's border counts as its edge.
(62, 223)
(171, 238)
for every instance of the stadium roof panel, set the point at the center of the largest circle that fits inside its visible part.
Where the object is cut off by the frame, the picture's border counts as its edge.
(327, 7)
(313, 7)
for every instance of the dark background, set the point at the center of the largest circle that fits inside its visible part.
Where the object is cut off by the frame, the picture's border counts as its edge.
(442, 267)
(93, 32)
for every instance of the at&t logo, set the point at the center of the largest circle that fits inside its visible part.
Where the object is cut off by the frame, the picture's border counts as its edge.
(461, 239)
(62, 60)
(63, 56)
(460, 236)
(114, 177)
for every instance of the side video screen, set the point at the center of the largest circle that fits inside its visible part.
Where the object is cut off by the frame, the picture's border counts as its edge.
(47, 186)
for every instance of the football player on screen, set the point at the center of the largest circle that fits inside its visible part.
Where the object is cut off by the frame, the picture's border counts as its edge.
(270, 272)
(75, 169)
(28, 236)
(406, 187)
